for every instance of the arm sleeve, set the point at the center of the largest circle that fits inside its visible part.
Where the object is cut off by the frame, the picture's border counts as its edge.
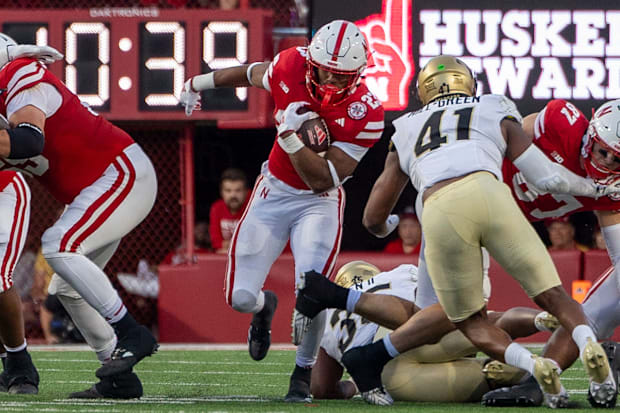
(552, 177)
(611, 234)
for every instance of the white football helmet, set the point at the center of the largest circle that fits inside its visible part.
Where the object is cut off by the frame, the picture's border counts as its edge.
(5, 42)
(338, 47)
(604, 129)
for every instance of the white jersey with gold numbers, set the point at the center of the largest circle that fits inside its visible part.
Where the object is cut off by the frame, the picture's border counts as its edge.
(344, 330)
(453, 137)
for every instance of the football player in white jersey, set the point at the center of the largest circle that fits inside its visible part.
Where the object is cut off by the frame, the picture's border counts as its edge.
(452, 149)
(436, 372)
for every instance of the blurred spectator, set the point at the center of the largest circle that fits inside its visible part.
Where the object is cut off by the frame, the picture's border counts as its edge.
(226, 212)
(222, 4)
(202, 245)
(598, 239)
(409, 234)
(42, 277)
(562, 235)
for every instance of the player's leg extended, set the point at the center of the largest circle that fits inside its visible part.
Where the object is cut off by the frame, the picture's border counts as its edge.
(100, 215)
(20, 375)
(315, 241)
(258, 240)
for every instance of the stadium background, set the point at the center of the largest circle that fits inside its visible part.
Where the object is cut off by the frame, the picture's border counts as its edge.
(190, 156)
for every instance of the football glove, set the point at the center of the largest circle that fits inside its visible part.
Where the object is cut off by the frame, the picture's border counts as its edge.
(44, 54)
(292, 120)
(189, 98)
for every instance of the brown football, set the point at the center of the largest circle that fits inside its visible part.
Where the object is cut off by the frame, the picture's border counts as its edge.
(315, 134)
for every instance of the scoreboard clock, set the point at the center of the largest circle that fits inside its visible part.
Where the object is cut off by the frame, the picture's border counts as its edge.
(131, 63)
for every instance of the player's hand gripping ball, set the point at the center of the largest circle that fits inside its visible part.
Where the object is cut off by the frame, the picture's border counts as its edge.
(315, 134)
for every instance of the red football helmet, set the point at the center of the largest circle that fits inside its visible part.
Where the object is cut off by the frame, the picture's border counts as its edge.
(604, 129)
(340, 48)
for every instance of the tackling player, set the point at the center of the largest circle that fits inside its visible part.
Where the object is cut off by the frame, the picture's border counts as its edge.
(299, 195)
(473, 138)
(586, 148)
(109, 186)
(19, 375)
(436, 372)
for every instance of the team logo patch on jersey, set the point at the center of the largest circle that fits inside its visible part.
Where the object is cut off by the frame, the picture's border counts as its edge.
(357, 110)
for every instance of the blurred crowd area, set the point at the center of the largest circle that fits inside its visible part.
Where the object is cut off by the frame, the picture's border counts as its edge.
(286, 13)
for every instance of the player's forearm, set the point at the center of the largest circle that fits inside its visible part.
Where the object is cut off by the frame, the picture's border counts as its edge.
(228, 77)
(313, 170)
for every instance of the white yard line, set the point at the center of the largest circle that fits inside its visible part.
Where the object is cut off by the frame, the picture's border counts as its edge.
(164, 346)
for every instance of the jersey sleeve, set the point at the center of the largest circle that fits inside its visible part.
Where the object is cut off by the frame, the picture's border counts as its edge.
(282, 63)
(398, 141)
(559, 120)
(43, 96)
(505, 108)
(22, 74)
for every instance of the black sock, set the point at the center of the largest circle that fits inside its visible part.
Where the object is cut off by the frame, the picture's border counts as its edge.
(19, 353)
(122, 326)
(302, 373)
(338, 298)
(377, 351)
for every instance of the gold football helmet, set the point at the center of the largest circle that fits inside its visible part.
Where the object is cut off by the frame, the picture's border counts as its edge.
(355, 272)
(445, 75)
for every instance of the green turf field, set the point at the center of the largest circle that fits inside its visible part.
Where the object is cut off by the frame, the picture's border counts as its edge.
(214, 381)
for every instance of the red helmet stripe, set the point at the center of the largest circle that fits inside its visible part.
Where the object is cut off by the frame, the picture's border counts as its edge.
(343, 29)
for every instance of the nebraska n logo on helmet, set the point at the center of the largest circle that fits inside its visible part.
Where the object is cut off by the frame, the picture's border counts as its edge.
(340, 48)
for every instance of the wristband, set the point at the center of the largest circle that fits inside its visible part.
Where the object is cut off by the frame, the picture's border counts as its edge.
(248, 73)
(203, 82)
(291, 143)
(334, 174)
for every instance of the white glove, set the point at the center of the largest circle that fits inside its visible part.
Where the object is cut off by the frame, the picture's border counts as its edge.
(44, 54)
(609, 187)
(391, 223)
(189, 98)
(4, 123)
(292, 120)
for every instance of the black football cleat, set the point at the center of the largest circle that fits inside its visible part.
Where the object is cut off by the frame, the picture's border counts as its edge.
(299, 386)
(137, 344)
(363, 368)
(259, 334)
(21, 374)
(612, 351)
(122, 386)
(4, 382)
(312, 292)
(526, 394)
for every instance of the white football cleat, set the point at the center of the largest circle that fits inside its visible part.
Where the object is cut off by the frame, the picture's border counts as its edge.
(378, 396)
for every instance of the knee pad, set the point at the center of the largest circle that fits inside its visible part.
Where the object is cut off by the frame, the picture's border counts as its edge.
(243, 301)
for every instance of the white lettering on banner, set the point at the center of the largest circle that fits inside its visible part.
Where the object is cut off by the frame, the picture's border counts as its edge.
(549, 53)
(124, 12)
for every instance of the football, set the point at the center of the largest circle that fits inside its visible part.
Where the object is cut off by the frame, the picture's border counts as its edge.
(315, 135)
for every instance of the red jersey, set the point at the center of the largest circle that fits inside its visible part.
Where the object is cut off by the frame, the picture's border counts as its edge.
(396, 247)
(357, 120)
(222, 223)
(79, 144)
(559, 131)
(6, 177)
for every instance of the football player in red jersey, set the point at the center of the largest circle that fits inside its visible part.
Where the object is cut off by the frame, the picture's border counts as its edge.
(19, 375)
(299, 194)
(109, 186)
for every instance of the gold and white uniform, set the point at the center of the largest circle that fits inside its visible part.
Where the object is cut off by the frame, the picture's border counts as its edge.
(461, 137)
(344, 330)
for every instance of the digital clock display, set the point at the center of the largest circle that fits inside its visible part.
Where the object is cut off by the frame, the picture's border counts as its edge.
(131, 64)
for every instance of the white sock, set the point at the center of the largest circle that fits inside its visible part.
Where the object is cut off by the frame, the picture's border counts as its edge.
(95, 329)
(518, 356)
(90, 282)
(308, 349)
(16, 349)
(581, 334)
(389, 347)
(352, 298)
